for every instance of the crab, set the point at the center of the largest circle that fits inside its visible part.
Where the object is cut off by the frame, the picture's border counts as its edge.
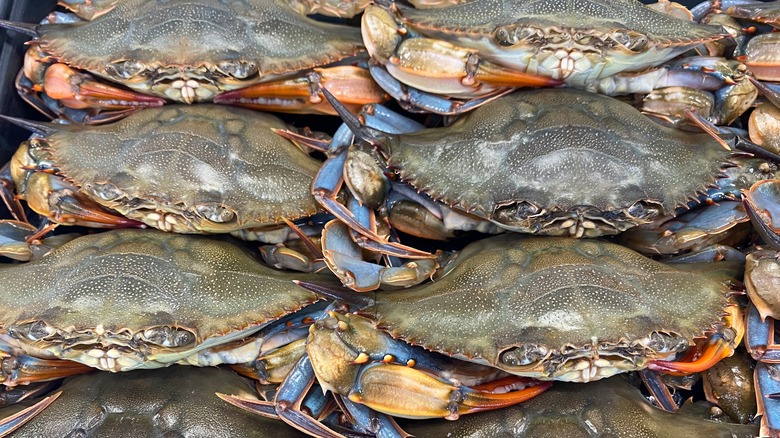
(554, 162)
(130, 299)
(91, 9)
(720, 217)
(592, 410)
(187, 169)
(173, 401)
(543, 308)
(476, 50)
(256, 53)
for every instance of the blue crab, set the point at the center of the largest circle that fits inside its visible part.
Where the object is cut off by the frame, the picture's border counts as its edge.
(475, 50)
(262, 52)
(190, 169)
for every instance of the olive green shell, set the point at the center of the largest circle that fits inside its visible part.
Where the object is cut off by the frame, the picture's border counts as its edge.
(128, 281)
(172, 402)
(594, 16)
(562, 294)
(178, 158)
(607, 408)
(559, 150)
(201, 34)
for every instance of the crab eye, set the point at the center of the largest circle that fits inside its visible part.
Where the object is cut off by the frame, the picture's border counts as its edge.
(34, 331)
(216, 213)
(238, 69)
(665, 343)
(125, 69)
(510, 35)
(107, 192)
(523, 355)
(169, 337)
(631, 41)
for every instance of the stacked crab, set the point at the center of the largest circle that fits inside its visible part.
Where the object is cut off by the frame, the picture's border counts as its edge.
(629, 272)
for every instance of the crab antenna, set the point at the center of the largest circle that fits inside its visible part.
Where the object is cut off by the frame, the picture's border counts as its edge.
(369, 135)
(337, 294)
(25, 28)
(42, 128)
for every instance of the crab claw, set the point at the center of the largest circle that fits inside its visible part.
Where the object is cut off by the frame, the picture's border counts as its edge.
(80, 91)
(403, 391)
(437, 66)
(352, 85)
(51, 197)
(343, 257)
(23, 369)
(721, 345)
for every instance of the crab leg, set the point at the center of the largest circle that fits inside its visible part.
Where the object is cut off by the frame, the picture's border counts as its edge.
(290, 397)
(344, 258)
(7, 194)
(328, 182)
(760, 337)
(353, 86)
(10, 424)
(658, 390)
(23, 369)
(770, 91)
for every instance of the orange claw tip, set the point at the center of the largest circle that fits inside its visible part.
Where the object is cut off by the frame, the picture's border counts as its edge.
(709, 357)
(62, 82)
(478, 401)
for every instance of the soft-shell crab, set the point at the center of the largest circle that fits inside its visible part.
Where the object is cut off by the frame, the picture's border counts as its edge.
(606, 408)
(187, 169)
(261, 51)
(129, 299)
(177, 401)
(477, 48)
(563, 309)
(555, 162)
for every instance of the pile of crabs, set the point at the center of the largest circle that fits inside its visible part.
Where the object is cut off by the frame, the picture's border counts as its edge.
(560, 217)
